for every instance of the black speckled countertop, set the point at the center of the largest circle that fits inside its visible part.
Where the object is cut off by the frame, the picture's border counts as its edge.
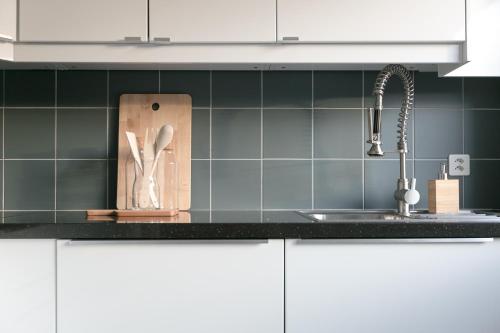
(232, 225)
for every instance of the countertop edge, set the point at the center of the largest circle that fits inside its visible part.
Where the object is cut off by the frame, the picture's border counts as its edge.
(268, 230)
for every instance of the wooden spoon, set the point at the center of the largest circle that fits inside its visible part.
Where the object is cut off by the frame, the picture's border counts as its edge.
(162, 141)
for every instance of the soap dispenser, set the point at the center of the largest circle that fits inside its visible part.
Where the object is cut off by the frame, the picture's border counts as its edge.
(444, 193)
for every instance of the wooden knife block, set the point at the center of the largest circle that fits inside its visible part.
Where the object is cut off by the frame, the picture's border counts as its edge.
(444, 196)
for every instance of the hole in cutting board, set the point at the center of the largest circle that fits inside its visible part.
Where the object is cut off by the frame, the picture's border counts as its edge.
(155, 106)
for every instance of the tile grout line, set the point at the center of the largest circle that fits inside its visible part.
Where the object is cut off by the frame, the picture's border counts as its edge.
(305, 159)
(56, 318)
(413, 122)
(413, 143)
(210, 148)
(59, 107)
(242, 108)
(107, 140)
(159, 80)
(363, 138)
(254, 159)
(312, 140)
(261, 141)
(57, 159)
(463, 137)
(55, 145)
(3, 146)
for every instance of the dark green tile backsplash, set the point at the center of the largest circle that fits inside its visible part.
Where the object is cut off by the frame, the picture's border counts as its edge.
(261, 140)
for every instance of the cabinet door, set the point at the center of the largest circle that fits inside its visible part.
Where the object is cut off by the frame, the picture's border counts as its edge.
(223, 21)
(170, 286)
(392, 288)
(8, 20)
(371, 21)
(483, 52)
(27, 286)
(82, 21)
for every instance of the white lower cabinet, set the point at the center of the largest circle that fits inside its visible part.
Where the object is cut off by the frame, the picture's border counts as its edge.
(393, 286)
(170, 286)
(27, 286)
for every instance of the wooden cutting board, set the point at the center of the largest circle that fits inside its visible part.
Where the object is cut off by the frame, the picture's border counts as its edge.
(141, 111)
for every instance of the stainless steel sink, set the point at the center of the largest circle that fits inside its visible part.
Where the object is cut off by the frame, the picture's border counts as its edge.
(391, 215)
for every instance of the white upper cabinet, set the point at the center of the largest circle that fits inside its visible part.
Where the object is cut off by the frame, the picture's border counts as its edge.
(214, 21)
(483, 42)
(8, 9)
(83, 21)
(363, 21)
(27, 285)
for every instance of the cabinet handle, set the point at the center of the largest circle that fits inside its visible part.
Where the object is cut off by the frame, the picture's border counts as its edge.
(132, 39)
(77, 242)
(162, 40)
(396, 241)
(290, 39)
(5, 38)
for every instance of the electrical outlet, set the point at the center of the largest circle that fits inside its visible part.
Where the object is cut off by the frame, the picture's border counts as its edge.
(459, 165)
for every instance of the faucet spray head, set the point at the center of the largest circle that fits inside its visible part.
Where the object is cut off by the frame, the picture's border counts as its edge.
(374, 129)
(375, 150)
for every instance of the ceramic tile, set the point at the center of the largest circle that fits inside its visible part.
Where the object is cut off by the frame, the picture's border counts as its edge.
(481, 133)
(380, 182)
(200, 140)
(432, 91)
(80, 88)
(236, 89)
(236, 133)
(29, 133)
(287, 184)
(438, 132)
(236, 185)
(338, 133)
(200, 184)
(194, 83)
(287, 133)
(284, 89)
(30, 88)
(338, 89)
(81, 185)
(482, 93)
(29, 185)
(81, 133)
(131, 82)
(481, 187)
(338, 184)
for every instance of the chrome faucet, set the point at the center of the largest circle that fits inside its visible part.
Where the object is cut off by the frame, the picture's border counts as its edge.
(405, 193)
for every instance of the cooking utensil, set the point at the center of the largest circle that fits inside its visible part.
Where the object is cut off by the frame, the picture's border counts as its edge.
(140, 111)
(132, 141)
(163, 139)
(148, 157)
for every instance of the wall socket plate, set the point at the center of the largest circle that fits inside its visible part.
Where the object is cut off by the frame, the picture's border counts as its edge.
(459, 165)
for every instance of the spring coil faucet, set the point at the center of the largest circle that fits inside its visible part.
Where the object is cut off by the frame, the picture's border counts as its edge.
(405, 193)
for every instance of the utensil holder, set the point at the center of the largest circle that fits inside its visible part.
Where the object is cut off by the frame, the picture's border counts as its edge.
(168, 179)
(143, 188)
(160, 190)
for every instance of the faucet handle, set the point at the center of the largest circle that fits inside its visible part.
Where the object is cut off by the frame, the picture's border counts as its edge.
(412, 196)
